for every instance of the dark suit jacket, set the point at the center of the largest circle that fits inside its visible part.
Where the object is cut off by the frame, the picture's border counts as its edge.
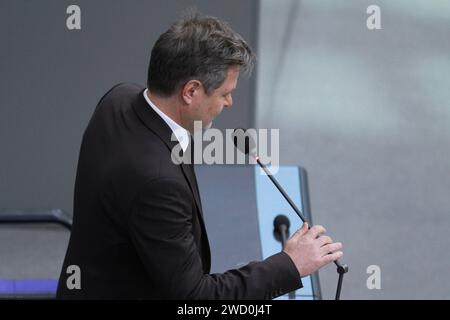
(138, 230)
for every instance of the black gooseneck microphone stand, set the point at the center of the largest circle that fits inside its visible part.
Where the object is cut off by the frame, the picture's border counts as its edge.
(245, 143)
(341, 268)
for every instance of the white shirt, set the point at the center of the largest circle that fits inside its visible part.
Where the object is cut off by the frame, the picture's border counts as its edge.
(181, 133)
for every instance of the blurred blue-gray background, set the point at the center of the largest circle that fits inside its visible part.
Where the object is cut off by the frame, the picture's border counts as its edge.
(367, 113)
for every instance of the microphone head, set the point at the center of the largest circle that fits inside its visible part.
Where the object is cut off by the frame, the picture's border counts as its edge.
(244, 141)
(281, 220)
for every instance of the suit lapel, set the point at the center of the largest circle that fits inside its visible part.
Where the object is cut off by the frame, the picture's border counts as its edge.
(157, 125)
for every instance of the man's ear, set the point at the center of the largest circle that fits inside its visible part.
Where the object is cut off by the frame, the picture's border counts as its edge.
(190, 90)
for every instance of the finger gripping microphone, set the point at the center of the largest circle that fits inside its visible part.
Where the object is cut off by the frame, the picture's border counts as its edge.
(246, 144)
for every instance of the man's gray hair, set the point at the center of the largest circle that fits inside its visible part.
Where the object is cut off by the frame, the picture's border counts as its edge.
(196, 47)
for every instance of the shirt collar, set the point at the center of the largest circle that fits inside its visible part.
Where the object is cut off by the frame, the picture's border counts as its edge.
(180, 133)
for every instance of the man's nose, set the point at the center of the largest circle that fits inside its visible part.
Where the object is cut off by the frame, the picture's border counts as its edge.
(229, 101)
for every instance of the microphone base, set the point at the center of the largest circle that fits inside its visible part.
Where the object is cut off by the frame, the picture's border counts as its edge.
(341, 270)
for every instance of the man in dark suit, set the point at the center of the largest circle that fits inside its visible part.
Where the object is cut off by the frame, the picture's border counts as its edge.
(138, 229)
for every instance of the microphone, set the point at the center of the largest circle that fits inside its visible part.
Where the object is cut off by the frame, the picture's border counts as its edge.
(246, 144)
(281, 226)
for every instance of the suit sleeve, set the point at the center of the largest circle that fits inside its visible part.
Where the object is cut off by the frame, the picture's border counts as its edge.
(160, 229)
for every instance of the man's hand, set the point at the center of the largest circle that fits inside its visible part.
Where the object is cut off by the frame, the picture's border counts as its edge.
(310, 250)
